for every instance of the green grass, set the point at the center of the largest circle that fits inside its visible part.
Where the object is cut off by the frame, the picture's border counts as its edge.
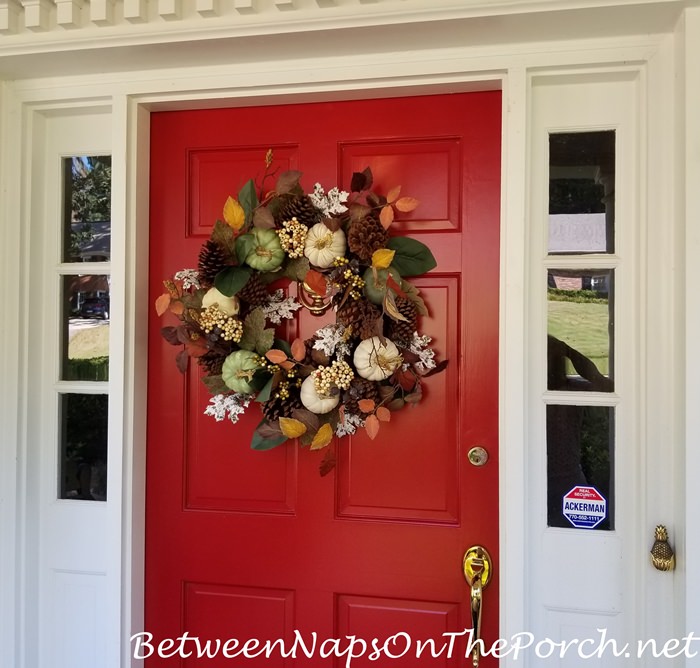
(583, 326)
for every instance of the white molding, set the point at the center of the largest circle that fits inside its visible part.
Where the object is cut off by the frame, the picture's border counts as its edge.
(102, 12)
(69, 13)
(37, 14)
(513, 347)
(135, 11)
(10, 11)
(688, 146)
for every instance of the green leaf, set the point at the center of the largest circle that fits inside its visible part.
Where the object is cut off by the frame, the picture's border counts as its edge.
(265, 341)
(266, 437)
(229, 281)
(412, 258)
(223, 235)
(245, 245)
(253, 327)
(248, 199)
(264, 394)
(297, 269)
(284, 346)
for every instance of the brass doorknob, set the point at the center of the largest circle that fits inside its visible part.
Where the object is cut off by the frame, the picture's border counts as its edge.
(477, 568)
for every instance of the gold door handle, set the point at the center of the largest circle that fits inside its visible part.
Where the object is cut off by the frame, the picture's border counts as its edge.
(477, 567)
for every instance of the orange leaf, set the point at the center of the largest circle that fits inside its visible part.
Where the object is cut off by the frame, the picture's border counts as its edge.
(276, 356)
(162, 303)
(287, 365)
(178, 308)
(322, 438)
(372, 426)
(406, 204)
(317, 282)
(298, 350)
(386, 217)
(366, 405)
(393, 194)
(384, 414)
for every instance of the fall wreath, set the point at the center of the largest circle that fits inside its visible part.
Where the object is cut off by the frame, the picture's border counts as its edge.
(349, 375)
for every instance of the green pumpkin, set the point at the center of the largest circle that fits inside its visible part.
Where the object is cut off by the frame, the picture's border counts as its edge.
(265, 251)
(238, 370)
(376, 289)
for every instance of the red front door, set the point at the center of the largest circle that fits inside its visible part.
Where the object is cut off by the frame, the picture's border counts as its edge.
(257, 545)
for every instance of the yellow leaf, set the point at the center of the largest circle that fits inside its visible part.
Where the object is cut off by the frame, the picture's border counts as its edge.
(406, 204)
(234, 214)
(162, 303)
(323, 437)
(382, 258)
(386, 216)
(292, 428)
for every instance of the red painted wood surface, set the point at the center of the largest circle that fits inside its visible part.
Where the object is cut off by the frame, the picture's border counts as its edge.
(244, 544)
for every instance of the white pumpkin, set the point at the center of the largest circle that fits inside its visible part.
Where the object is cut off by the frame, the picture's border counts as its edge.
(323, 246)
(227, 305)
(375, 361)
(314, 401)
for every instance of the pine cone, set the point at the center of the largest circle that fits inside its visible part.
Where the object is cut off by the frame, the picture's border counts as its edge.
(400, 331)
(366, 236)
(254, 292)
(300, 208)
(212, 361)
(361, 315)
(276, 407)
(360, 388)
(212, 260)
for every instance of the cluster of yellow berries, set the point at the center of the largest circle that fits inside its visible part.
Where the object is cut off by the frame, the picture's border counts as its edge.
(338, 374)
(293, 237)
(230, 328)
(348, 278)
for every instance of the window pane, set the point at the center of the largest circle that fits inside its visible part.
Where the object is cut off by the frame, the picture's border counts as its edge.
(85, 328)
(580, 467)
(582, 192)
(580, 330)
(83, 459)
(87, 183)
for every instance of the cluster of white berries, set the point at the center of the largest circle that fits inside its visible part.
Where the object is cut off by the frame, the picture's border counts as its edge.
(212, 317)
(293, 237)
(338, 374)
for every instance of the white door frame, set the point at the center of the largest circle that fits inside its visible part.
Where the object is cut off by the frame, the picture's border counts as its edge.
(131, 98)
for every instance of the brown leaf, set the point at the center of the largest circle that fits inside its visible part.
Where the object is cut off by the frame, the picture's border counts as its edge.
(366, 405)
(196, 349)
(393, 194)
(181, 361)
(358, 211)
(298, 350)
(307, 417)
(361, 180)
(276, 356)
(386, 217)
(328, 463)
(162, 303)
(177, 307)
(323, 437)
(406, 204)
(288, 181)
(292, 428)
(440, 366)
(269, 429)
(414, 397)
(263, 218)
(406, 380)
(372, 426)
(396, 404)
(383, 414)
(333, 224)
(316, 282)
(391, 309)
(170, 335)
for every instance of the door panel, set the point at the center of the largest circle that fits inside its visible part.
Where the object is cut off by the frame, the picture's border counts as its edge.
(244, 544)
